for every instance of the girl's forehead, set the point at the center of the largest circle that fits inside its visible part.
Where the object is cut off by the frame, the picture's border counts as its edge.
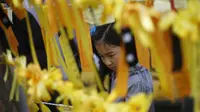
(104, 48)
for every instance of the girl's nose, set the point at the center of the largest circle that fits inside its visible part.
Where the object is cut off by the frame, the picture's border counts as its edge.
(108, 62)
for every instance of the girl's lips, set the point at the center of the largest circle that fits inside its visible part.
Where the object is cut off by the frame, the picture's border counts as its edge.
(113, 68)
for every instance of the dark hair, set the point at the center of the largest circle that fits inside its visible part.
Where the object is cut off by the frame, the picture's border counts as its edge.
(106, 34)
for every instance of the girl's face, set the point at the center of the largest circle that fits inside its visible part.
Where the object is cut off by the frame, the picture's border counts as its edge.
(109, 54)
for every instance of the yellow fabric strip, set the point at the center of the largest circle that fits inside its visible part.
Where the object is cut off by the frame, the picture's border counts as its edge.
(67, 70)
(69, 59)
(82, 35)
(122, 74)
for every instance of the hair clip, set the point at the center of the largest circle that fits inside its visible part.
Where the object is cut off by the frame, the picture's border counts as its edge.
(92, 30)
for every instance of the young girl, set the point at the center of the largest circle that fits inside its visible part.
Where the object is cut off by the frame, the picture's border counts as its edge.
(106, 43)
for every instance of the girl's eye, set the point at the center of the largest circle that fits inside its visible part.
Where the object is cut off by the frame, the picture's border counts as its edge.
(111, 55)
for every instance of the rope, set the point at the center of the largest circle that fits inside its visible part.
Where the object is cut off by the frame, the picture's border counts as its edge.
(57, 105)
